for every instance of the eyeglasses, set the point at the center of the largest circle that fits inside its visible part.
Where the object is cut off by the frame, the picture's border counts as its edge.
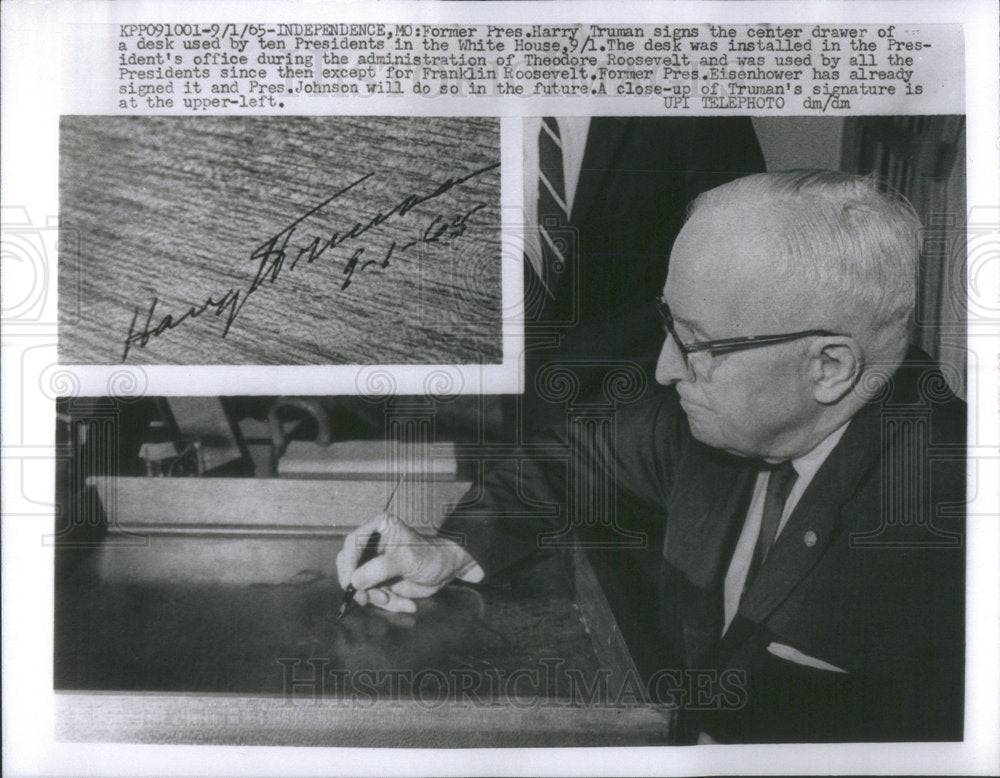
(727, 345)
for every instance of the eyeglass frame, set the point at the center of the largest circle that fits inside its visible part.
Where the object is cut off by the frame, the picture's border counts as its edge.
(729, 345)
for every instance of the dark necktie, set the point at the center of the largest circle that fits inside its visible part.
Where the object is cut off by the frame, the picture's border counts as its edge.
(553, 212)
(779, 484)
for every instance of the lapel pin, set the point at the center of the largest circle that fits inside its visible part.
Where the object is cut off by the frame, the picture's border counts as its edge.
(809, 538)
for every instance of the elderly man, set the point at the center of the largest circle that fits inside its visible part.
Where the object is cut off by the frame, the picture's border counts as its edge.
(808, 464)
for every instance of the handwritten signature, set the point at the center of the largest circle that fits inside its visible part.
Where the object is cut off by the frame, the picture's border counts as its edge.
(277, 253)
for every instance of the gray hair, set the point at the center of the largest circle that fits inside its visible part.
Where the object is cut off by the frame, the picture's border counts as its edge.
(841, 234)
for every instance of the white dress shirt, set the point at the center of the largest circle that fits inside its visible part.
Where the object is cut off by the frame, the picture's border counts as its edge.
(806, 467)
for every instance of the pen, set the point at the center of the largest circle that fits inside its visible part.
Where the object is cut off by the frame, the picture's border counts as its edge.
(369, 552)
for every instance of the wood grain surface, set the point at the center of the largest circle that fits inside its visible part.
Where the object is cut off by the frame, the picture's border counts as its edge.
(192, 611)
(474, 666)
(252, 503)
(190, 211)
(215, 637)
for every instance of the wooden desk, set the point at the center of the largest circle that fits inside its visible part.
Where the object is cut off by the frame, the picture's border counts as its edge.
(353, 459)
(188, 626)
(177, 209)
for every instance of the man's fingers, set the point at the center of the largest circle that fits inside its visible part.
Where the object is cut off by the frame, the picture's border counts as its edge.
(391, 601)
(361, 597)
(380, 569)
(412, 590)
(344, 567)
(354, 545)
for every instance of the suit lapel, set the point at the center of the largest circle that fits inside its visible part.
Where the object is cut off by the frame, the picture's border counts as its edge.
(816, 518)
(707, 506)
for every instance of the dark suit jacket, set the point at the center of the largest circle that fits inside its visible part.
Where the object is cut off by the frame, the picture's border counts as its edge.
(638, 176)
(867, 575)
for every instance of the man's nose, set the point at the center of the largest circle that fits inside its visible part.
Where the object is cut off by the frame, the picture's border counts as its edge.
(670, 367)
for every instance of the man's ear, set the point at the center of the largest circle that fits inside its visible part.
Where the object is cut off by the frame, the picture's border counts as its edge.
(835, 365)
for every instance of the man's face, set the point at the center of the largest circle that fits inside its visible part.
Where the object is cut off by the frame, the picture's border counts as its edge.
(721, 285)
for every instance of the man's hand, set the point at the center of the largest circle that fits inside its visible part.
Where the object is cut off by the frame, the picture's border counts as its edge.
(420, 564)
